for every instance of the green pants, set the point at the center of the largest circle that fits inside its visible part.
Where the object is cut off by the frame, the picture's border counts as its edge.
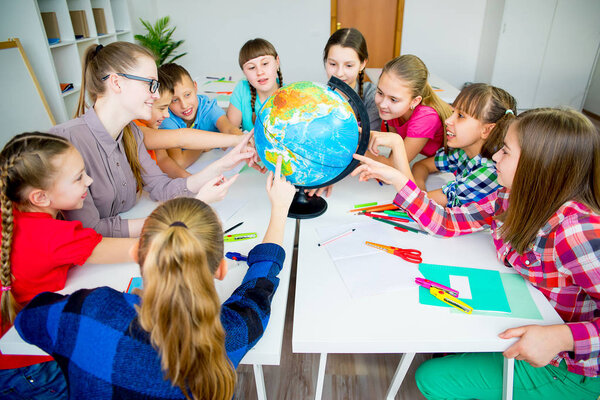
(479, 376)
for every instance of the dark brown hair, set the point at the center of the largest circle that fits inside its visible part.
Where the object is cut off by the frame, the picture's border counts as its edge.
(353, 39)
(488, 104)
(257, 48)
(559, 162)
(25, 163)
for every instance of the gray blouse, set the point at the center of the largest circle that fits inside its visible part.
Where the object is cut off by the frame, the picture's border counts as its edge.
(114, 188)
(369, 90)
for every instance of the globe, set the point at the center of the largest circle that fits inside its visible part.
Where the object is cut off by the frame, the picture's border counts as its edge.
(315, 131)
(312, 127)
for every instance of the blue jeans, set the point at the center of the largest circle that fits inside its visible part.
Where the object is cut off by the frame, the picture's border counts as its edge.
(43, 381)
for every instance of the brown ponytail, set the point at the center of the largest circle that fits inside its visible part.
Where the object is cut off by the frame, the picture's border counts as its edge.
(116, 57)
(25, 162)
(181, 246)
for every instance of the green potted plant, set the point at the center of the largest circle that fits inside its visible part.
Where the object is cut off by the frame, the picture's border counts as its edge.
(158, 40)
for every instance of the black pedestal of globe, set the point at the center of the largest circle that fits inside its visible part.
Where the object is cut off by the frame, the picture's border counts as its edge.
(305, 207)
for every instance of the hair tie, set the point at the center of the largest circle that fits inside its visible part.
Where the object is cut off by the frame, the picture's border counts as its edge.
(98, 48)
(509, 111)
(179, 223)
(6, 288)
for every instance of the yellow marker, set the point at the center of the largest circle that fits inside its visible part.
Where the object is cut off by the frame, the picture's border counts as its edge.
(450, 300)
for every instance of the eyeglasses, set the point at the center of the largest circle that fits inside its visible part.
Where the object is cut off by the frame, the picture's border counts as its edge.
(154, 84)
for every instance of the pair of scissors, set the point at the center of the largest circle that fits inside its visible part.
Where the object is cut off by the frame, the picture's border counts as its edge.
(410, 255)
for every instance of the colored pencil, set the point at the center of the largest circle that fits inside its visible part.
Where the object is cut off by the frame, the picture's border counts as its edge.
(397, 219)
(365, 205)
(382, 207)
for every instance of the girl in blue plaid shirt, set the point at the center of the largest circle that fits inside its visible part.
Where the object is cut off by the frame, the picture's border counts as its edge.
(172, 340)
(474, 132)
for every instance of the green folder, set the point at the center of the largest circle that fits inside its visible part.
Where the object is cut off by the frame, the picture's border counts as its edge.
(487, 290)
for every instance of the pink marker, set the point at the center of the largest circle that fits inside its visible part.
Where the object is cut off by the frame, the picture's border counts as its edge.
(341, 235)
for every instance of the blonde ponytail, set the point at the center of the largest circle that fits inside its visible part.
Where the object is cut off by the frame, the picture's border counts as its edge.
(181, 247)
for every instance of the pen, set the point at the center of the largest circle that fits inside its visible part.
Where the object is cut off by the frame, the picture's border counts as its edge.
(365, 205)
(382, 207)
(415, 230)
(233, 227)
(378, 181)
(214, 77)
(232, 255)
(341, 235)
(427, 284)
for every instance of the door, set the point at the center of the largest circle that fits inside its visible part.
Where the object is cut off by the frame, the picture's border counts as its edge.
(380, 22)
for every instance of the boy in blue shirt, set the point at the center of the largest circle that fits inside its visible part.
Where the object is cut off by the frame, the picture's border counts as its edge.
(191, 110)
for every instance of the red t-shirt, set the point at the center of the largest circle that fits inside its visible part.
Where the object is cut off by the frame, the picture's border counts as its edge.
(424, 122)
(43, 250)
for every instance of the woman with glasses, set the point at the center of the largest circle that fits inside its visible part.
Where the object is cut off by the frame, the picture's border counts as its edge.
(120, 80)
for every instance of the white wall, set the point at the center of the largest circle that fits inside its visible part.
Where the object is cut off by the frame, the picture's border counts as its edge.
(592, 101)
(446, 35)
(215, 30)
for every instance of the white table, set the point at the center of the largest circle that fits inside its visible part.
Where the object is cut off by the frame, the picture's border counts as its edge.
(328, 320)
(249, 188)
(210, 87)
(445, 90)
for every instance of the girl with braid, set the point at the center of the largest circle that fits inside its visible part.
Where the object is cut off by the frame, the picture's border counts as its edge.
(345, 56)
(259, 61)
(172, 340)
(40, 176)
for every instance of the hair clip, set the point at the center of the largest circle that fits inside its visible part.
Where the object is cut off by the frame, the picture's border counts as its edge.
(6, 288)
(509, 111)
(178, 223)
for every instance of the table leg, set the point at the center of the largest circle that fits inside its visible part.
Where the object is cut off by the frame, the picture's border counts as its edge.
(508, 378)
(259, 378)
(403, 366)
(321, 376)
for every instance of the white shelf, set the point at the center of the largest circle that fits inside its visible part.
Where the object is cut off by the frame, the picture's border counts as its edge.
(61, 62)
(75, 89)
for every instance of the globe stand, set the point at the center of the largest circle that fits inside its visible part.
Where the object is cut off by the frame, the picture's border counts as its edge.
(305, 207)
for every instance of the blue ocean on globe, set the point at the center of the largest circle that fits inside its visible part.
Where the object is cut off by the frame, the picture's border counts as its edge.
(312, 127)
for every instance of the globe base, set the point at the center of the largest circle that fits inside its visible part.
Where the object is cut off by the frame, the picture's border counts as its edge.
(304, 207)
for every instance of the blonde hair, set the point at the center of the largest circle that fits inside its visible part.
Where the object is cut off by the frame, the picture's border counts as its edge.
(25, 163)
(180, 249)
(488, 104)
(559, 162)
(256, 48)
(412, 70)
(100, 61)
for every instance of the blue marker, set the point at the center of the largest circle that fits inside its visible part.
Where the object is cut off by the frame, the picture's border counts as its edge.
(236, 256)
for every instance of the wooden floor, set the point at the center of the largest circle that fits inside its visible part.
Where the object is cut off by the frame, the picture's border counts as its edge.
(347, 376)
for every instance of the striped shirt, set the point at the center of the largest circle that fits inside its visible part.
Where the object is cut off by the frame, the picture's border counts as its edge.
(475, 177)
(563, 262)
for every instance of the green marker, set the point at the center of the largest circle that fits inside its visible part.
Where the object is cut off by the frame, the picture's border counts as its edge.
(365, 205)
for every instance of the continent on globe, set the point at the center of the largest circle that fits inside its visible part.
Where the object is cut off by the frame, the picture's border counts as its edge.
(312, 127)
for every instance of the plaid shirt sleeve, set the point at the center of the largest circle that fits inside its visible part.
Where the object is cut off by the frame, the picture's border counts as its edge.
(246, 313)
(446, 162)
(577, 251)
(442, 221)
(37, 323)
(473, 187)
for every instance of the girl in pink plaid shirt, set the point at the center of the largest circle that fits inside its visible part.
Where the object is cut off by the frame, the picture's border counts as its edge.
(550, 234)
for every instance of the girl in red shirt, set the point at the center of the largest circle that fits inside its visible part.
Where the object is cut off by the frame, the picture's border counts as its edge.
(40, 175)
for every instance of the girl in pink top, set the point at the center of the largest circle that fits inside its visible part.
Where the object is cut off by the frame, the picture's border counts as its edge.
(408, 106)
